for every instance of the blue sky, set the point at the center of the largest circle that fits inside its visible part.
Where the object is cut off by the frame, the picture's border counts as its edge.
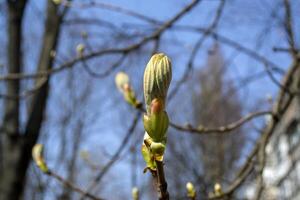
(243, 21)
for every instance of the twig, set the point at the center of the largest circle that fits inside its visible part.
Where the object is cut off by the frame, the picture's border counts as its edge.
(26, 93)
(154, 35)
(162, 186)
(71, 185)
(221, 129)
(115, 157)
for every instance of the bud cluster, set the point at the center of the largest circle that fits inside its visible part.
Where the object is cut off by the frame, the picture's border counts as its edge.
(157, 78)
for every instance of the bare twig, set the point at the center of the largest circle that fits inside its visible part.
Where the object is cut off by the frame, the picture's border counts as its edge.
(69, 64)
(222, 129)
(115, 157)
(72, 186)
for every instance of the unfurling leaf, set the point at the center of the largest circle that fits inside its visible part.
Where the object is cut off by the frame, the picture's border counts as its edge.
(147, 155)
(156, 125)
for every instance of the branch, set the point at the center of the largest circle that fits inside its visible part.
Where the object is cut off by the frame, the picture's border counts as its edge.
(26, 93)
(71, 185)
(69, 64)
(222, 129)
(115, 157)
(162, 186)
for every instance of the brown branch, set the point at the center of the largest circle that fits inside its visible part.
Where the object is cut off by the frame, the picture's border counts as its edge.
(115, 8)
(105, 73)
(154, 35)
(26, 93)
(162, 186)
(72, 186)
(115, 157)
(222, 129)
(196, 49)
(288, 25)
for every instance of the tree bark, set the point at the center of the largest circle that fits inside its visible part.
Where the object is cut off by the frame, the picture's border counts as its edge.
(9, 134)
(16, 146)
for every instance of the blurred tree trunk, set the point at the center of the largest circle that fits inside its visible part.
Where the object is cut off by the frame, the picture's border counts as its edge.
(217, 105)
(16, 145)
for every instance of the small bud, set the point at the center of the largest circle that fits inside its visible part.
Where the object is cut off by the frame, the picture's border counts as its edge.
(191, 193)
(80, 49)
(84, 154)
(135, 193)
(37, 154)
(218, 189)
(123, 84)
(158, 149)
(157, 78)
(57, 2)
(122, 81)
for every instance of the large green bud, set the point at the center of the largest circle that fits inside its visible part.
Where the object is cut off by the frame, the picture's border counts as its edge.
(157, 78)
(156, 122)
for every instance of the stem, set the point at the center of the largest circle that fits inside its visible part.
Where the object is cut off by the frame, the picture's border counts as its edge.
(162, 186)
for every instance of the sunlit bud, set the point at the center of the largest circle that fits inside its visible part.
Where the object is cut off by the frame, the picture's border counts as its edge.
(191, 192)
(218, 189)
(123, 84)
(37, 154)
(135, 193)
(57, 2)
(157, 78)
(84, 154)
(122, 81)
(80, 49)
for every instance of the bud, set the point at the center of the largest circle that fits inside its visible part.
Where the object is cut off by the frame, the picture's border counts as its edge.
(123, 84)
(80, 49)
(122, 81)
(156, 125)
(218, 189)
(57, 2)
(135, 193)
(37, 154)
(157, 78)
(157, 150)
(191, 193)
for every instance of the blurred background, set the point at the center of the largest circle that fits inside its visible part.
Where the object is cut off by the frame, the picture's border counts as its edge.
(233, 100)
